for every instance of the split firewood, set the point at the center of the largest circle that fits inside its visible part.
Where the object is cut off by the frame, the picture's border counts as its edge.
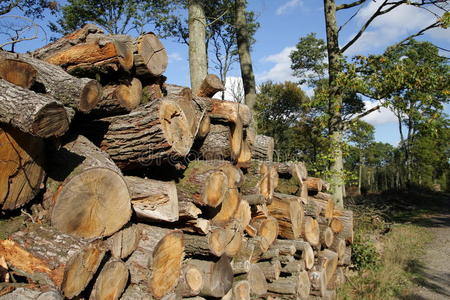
(157, 262)
(43, 254)
(150, 56)
(153, 199)
(256, 279)
(210, 86)
(111, 281)
(81, 94)
(262, 148)
(30, 112)
(119, 98)
(190, 282)
(21, 161)
(346, 218)
(154, 132)
(124, 242)
(288, 210)
(217, 276)
(86, 192)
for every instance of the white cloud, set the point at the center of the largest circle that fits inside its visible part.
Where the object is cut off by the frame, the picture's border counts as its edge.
(175, 56)
(287, 6)
(281, 71)
(380, 116)
(392, 27)
(234, 89)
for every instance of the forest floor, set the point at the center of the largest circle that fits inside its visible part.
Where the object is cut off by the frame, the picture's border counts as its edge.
(402, 247)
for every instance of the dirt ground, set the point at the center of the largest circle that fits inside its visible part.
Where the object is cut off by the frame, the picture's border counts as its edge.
(434, 266)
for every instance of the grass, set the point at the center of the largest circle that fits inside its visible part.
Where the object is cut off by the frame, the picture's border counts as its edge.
(388, 245)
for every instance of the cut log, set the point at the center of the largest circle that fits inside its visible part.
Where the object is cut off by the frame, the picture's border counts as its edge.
(241, 290)
(152, 133)
(311, 231)
(294, 267)
(97, 53)
(157, 262)
(339, 247)
(243, 214)
(150, 56)
(295, 169)
(153, 199)
(225, 111)
(217, 276)
(316, 185)
(298, 285)
(346, 218)
(119, 98)
(258, 180)
(289, 213)
(262, 148)
(224, 214)
(318, 279)
(124, 242)
(325, 202)
(326, 236)
(32, 113)
(21, 161)
(328, 260)
(210, 86)
(86, 192)
(111, 281)
(267, 229)
(25, 293)
(303, 285)
(257, 280)
(285, 247)
(226, 240)
(45, 255)
(245, 156)
(17, 72)
(270, 269)
(223, 142)
(336, 225)
(242, 260)
(81, 94)
(190, 283)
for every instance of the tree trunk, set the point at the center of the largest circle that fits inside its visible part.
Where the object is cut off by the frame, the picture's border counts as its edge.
(150, 56)
(198, 58)
(21, 160)
(153, 199)
(111, 281)
(153, 133)
(81, 94)
(32, 113)
(157, 262)
(243, 42)
(45, 255)
(211, 84)
(335, 96)
(86, 192)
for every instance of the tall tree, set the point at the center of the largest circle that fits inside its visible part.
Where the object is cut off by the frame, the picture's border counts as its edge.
(198, 61)
(245, 59)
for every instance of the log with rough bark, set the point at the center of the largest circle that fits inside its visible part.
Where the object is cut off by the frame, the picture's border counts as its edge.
(258, 180)
(207, 183)
(124, 242)
(156, 264)
(222, 142)
(153, 199)
(190, 282)
(28, 292)
(96, 53)
(297, 285)
(81, 94)
(225, 111)
(346, 218)
(86, 192)
(21, 160)
(316, 185)
(311, 231)
(210, 86)
(120, 98)
(42, 254)
(30, 112)
(288, 210)
(217, 276)
(328, 260)
(242, 260)
(271, 269)
(262, 148)
(304, 249)
(325, 202)
(111, 281)
(150, 56)
(155, 132)
(255, 276)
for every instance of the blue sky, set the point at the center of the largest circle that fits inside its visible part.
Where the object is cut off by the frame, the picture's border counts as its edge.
(283, 22)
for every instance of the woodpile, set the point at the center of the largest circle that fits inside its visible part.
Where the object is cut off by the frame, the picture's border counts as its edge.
(153, 192)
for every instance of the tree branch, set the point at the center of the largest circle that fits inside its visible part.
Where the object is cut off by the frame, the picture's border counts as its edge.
(362, 115)
(434, 25)
(350, 5)
(349, 19)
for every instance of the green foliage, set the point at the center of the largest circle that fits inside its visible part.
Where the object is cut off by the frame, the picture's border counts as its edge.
(30, 8)
(364, 254)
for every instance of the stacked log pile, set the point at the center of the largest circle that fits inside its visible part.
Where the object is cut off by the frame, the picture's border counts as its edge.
(138, 189)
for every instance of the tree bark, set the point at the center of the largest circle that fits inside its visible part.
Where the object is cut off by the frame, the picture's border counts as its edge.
(21, 159)
(30, 112)
(81, 94)
(243, 42)
(198, 58)
(45, 255)
(86, 192)
(262, 148)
